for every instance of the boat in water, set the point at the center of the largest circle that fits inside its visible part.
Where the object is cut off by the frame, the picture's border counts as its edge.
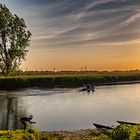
(88, 88)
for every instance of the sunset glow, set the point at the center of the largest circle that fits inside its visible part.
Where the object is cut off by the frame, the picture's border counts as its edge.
(71, 35)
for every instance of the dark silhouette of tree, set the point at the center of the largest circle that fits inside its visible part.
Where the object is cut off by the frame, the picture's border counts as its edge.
(14, 40)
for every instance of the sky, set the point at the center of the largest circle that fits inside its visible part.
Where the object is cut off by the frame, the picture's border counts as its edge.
(73, 34)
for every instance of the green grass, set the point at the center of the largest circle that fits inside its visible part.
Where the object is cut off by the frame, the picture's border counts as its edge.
(28, 134)
(121, 132)
(65, 79)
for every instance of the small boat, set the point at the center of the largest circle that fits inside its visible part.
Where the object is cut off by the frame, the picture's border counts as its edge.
(99, 126)
(128, 123)
(88, 88)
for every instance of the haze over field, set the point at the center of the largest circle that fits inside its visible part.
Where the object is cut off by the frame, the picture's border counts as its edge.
(70, 34)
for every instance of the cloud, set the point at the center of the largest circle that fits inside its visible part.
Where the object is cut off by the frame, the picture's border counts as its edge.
(133, 18)
(79, 22)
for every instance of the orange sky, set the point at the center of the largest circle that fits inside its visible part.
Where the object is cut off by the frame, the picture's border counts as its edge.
(113, 56)
(72, 34)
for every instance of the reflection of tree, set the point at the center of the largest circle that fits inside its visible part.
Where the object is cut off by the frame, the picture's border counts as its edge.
(11, 110)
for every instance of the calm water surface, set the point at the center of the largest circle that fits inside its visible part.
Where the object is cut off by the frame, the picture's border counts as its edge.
(68, 109)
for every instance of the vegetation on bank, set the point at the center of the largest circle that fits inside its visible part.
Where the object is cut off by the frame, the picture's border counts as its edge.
(121, 132)
(28, 134)
(65, 79)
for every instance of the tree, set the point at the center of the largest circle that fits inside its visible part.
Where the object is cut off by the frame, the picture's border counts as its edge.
(14, 40)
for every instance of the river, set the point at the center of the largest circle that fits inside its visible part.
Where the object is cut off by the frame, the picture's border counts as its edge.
(69, 109)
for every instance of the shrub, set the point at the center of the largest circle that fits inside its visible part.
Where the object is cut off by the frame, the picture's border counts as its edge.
(121, 132)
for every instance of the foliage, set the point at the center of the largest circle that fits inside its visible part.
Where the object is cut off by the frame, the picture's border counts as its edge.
(135, 133)
(123, 132)
(103, 137)
(28, 134)
(14, 39)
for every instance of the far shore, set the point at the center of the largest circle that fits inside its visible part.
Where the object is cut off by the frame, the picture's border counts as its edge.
(67, 79)
(120, 83)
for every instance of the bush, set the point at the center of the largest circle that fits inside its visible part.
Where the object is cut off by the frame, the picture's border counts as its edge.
(28, 134)
(135, 133)
(121, 132)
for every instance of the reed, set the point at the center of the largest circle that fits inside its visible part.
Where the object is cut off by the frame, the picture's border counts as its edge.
(64, 80)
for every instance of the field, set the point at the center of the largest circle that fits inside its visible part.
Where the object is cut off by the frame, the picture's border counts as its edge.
(66, 79)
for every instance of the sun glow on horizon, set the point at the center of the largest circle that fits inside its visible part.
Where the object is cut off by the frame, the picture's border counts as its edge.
(113, 56)
(70, 35)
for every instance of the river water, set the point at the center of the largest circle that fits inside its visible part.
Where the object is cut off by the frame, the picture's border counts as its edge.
(69, 109)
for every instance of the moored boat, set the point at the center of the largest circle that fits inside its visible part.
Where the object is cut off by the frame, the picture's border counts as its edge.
(99, 126)
(127, 123)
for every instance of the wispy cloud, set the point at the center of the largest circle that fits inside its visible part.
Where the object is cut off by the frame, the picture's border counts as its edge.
(133, 18)
(79, 22)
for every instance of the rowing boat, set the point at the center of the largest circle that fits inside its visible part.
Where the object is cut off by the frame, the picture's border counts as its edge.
(99, 126)
(128, 123)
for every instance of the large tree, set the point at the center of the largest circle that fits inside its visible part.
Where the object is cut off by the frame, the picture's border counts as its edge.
(14, 40)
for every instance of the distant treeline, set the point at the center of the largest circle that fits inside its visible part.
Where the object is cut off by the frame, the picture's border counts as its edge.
(66, 80)
(43, 72)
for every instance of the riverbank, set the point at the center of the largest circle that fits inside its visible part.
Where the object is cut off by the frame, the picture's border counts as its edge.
(70, 80)
(120, 132)
(33, 134)
(88, 134)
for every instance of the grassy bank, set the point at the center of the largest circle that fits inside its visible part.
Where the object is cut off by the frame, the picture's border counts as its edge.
(28, 134)
(121, 132)
(65, 79)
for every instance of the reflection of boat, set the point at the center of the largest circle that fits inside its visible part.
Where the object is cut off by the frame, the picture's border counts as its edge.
(84, 89)
(128, 123)
(99, 126)
(93, 88)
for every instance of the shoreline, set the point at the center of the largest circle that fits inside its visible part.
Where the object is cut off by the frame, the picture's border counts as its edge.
(72, 134)
(119, 83)
(31, 133)
(119, 132)
(66, 81)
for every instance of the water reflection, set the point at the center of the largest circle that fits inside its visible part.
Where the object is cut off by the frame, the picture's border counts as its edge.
(67, 109)
(10, 112)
